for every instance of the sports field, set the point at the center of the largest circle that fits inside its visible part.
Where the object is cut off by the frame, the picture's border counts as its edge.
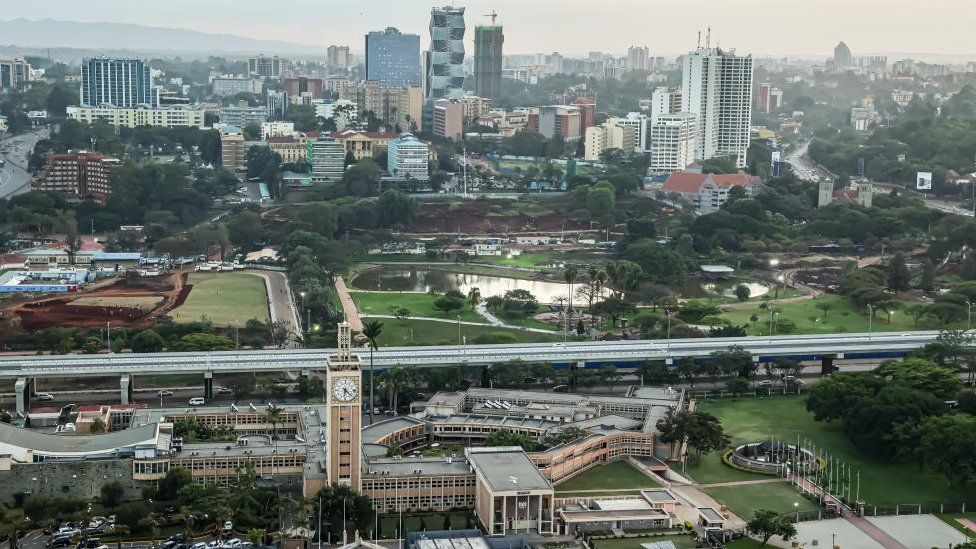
(224, 298)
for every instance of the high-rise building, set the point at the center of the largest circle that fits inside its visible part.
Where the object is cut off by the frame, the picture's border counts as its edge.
(407, 157)
(639, 123)
(13, 72)
(227, 85)
(587, 109)
(842, 56)
(78, 175)
(664, 101)
(639, 58)
(303, 90)
(448, 118)
(488, 41)
(232, 149)
(277, 104)
(445, 58)
(393, 58)
(606, 136)
(716, 86)
(672, 142)
(326, 157)
(116, 82)
(561, 120)
(265, 66)
(343, 397)
(338, 57)
(768, 98)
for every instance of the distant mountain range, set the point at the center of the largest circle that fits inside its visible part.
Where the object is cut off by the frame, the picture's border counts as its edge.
(48, 33)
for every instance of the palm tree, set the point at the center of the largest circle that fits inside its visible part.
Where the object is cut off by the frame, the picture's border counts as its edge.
(569, 275)
(371, 330)
(273, 416)
(97, 425)
(394, 380)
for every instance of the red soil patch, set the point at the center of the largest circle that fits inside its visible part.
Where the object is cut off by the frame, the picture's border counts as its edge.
(472, 218)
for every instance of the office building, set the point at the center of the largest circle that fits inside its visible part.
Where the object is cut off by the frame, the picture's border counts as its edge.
(672, 142)
(232, 150)
(263, 66)
(639, 123)
(842, 57)
(14, 72)
(337, 57)
(716, 86)
(364, 144)
(230, 85)
(116, 82)
(448, 119)
(242, 114)
(607, 136)
(277, 104)
(393, 58)
(300, 88)
(488, 42)
(326, 158)
(141, 115)
(707, 192)
(664, 101)
(768, 98)
(401, 107)
(562, 120)
(587, 109)
(78, 175)
(445, 58)
(407, 158)
(639, 58)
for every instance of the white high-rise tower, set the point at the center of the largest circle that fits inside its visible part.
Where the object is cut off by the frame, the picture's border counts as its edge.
(716, 86)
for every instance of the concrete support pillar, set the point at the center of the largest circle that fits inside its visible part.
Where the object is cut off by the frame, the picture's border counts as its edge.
(306, 373)
(208, 385)
(22, 395)
(125, 385)
(573, 367)
(826, 365)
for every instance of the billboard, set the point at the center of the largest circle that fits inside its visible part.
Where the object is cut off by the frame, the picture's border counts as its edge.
(923, 181)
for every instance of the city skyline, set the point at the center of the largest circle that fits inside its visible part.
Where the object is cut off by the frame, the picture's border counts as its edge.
(756, 26)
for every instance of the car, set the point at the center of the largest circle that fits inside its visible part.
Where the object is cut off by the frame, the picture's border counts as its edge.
(165, 393)
(223, 390)
(197, 401)
(59, 542)
(98, 530)
(199, 545)
(233, 543)
(169, 511)
(228, 525)
(110, 519)
(764, 383)
(44, 396)
(90, 543)
(177, 537)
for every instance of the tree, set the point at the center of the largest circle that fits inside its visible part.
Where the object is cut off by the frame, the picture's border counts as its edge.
(273, 416)
(147, 341)
(922, 375)
(372, 329)
(170, 484)
(734, 361)
(824, 306)
(97, 425)
(504, 437)
(927, 280)
(766, 524)
(742, 292)
(279, 333)
(244, 229)
(242, 386)
(609, 374)
(448, 304)
(737, 385)
(112, 493)
(832, 397)
(899, 279)
(395, 209)
(474, 297)
(916, 311)
(701, 430)
(343, 509)
(569, 275)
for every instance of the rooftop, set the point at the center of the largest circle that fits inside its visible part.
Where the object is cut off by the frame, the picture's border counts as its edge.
(42, 443)
(507, 469)
(373, 433)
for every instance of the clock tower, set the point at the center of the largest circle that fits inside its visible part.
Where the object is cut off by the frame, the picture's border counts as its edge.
(344, 402)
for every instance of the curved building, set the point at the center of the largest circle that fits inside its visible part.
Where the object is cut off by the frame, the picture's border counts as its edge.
(445, 58)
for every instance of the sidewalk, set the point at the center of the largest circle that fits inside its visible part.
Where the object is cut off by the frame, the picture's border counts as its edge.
(348, 306)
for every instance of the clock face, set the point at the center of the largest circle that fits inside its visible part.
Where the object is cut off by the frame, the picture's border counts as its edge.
(345, 390)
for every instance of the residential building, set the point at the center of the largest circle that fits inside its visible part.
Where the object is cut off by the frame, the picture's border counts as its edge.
(117, 82)
(14, 72)
(242, 114)
(488, 42)
(141, 115)
(587, 110)
(445, 58)
(334, 83)
(707, 192)
(326, 158)
(561, 120)
(639, 58)
(78, 175)
(768, 98)
(303, 90)
(608, 135)
(672, 142)
(263, 66)
(717, 87)
(664, 101)
(638, 121)
(408, 157)
(448, 119)
(472, 107)
(396, 106)
(277, 128)
(277, 104)
(338, 57)
(233, 152)
(230, 85)
(393, 58)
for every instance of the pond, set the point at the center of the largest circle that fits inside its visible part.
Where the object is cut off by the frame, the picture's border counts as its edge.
(424, 280)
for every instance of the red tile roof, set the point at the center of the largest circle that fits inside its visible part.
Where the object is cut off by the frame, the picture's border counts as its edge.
(282, 139)
(684, 182)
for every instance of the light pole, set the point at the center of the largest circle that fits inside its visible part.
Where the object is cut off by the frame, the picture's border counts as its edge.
(870, 319)
(796, 509)
(969, 315)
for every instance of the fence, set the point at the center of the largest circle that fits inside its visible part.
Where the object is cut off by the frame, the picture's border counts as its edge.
(765, 392)
(930, 508)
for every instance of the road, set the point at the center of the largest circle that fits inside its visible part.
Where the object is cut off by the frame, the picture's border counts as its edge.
(934, 203)
(14, 177)
(803, 166)
(281, 303)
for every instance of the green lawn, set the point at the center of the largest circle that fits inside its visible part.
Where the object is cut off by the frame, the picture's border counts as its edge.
(842, 317)
(419, 304)
(618, 474)
(224, 298)
(950, 519)
(681, 542)
(744, 500)
(427, 332)
(785, 417)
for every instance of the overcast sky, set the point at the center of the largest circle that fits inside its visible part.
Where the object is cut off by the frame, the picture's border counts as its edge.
(761, 27)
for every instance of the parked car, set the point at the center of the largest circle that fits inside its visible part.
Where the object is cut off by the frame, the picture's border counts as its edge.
(199, 545)
(197, 401)
(165, 393)
(177, 537)
(228, 525)
(764, 383)
(233, 543)
(62, 541)
(45, 396)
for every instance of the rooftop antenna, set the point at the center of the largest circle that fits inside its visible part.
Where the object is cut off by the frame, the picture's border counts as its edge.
(708, 38)
(699, 40)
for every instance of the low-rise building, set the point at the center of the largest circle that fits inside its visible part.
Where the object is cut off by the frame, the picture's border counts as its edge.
(78, 175)
(242, 114)
(364, 144)
(173, 116)
(708, 192)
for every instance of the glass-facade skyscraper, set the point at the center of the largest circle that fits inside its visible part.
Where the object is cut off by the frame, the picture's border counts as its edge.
(445, 58)
(116, 82)
(393, 58)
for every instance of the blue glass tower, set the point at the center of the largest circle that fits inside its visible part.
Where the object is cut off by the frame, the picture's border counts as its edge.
(393, 58)
(116, 82)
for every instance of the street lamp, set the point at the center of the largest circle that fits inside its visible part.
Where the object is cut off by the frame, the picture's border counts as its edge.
(870, 319)
(796, 509)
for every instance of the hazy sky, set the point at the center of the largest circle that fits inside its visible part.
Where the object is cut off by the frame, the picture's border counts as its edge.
(569, 26)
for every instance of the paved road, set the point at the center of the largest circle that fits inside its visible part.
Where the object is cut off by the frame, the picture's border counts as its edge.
(14, 177)
(281, 303)
(804, 167)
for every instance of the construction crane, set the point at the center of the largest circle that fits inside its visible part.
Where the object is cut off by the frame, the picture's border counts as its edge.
(493, 16)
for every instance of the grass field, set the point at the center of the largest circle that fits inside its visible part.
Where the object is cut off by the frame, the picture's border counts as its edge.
(681, 542)
(144, 302)
(842, 317)
(224, 298)
(744, 500)
(616, 475)
(427, 332)
(419, 304)
(785, 417)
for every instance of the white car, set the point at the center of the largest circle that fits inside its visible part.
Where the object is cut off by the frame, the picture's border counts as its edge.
(233, 543)
(197, 401)
(165, 393)
(45, 396)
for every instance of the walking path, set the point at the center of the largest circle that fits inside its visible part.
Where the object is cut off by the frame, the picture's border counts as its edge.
(348, 305)
(742, 483)
(463, 323)
(281, 303)
(862, 524)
